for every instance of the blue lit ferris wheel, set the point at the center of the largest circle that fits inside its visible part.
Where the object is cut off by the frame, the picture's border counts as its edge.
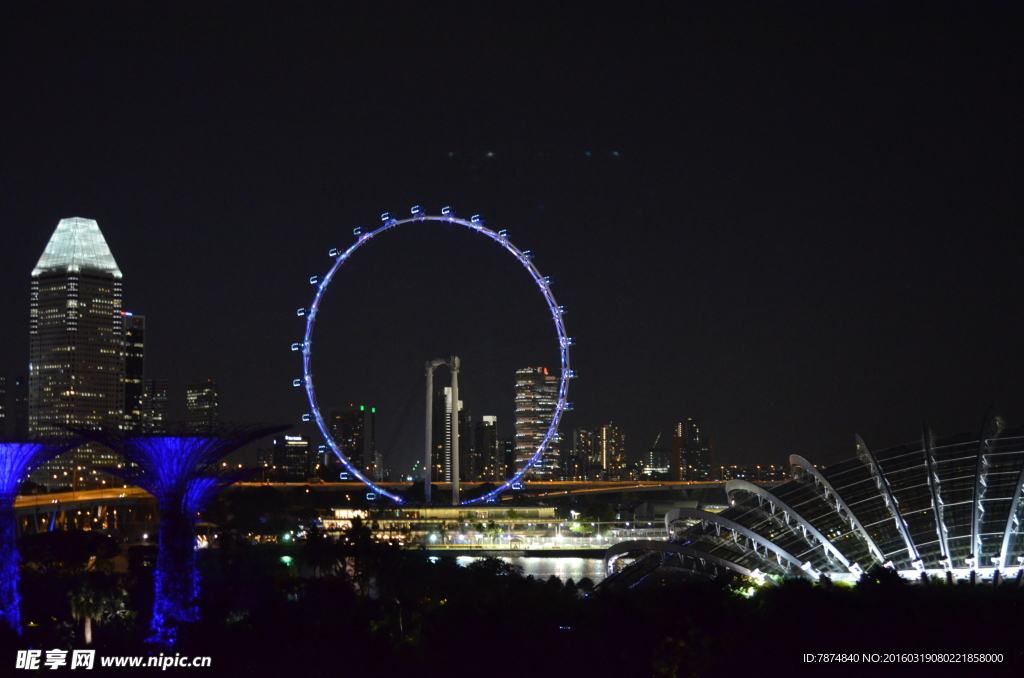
(524, 257)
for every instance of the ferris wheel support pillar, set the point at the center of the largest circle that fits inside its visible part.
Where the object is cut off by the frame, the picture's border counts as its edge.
(454, 365)
(428, 462)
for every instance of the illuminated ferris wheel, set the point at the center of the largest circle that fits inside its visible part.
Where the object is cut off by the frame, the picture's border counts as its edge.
(500, 237)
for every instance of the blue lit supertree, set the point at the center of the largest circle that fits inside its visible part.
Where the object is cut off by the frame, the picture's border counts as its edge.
(17, 461)
(181, 472)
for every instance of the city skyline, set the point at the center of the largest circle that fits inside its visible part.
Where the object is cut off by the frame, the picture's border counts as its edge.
(791, 226)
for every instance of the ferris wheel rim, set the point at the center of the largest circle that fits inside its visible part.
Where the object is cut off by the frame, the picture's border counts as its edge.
(524, 258)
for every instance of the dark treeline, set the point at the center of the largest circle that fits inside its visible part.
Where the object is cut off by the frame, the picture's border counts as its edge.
(331, 608)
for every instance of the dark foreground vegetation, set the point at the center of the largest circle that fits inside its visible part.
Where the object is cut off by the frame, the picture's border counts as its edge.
(322, 608)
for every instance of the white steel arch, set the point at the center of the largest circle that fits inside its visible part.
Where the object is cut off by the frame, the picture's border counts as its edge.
(868, 459)
(746, 486)
(736, 528)
(797, 460)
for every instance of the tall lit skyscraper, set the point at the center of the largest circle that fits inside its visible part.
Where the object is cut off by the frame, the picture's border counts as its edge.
(354, 431)
(490, 465)
(76, 369)
(691, 453)
(584, 446)
(154, 406)
(202, 405)
(536, 397)
(134, 371)
(442, 433)
(610, 446)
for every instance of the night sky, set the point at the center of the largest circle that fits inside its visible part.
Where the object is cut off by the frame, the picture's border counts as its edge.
(792, 223)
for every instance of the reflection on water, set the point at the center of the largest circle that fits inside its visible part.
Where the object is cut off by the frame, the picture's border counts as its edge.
(563, 568)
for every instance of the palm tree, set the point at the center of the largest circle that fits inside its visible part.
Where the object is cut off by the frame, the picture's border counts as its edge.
(97, 597)
(87, 603)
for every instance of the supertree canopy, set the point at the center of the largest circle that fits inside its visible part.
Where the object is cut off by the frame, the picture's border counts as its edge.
(17, 461)
(181, 472)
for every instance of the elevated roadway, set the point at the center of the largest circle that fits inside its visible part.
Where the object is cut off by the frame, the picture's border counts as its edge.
(528, 489)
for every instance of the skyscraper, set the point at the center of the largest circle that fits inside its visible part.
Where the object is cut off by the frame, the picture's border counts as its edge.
(691, 453)
(354, 432)
(154, 404)
(442, 434)
(508, 454)
(486, 449)
(610, 445)
(292, 455)
(3, 405)
(202, 405)
(76, 368)
(134, 371)
(536, 398)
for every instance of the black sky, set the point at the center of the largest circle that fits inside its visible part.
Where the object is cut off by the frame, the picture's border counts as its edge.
(793, 222)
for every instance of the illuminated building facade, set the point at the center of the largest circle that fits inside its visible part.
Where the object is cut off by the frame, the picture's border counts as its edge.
(154, 417)
(610, 448)
(658, 463)
(536, 398)
(947, 506)
(691, 453)
(490, 465)
(76, 352)
(760, 473)
(441, 438)
(202, 406)
(134, 371)
(292, 457)
(508, 453)
(354, 431)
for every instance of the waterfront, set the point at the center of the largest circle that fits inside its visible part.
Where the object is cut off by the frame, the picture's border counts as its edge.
(543, 567)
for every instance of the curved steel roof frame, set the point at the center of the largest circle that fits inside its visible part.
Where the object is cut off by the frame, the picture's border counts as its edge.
(669, 547)
(1012, 521)
(746, 486)
(934, 487)
(868, 458)
(990, 430)
(736, 528)
(841, 505)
